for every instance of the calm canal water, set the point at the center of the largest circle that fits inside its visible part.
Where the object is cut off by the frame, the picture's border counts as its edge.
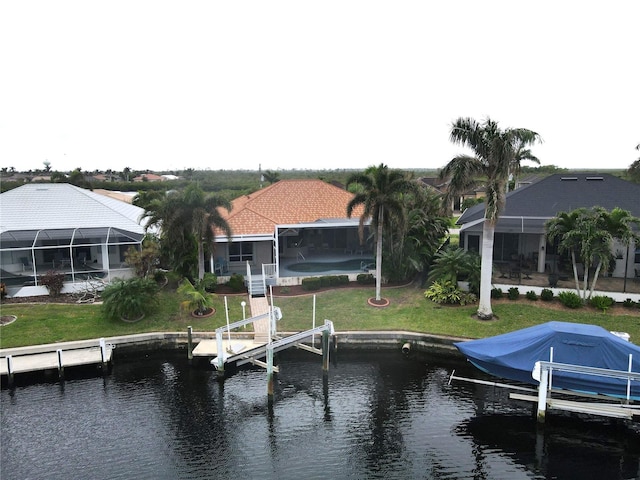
(377, 415)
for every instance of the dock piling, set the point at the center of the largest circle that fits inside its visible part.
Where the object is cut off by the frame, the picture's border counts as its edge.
(325, 350)
(60, 365)
(103, 355)
(270, 374)
(10, 373)
(190, 344)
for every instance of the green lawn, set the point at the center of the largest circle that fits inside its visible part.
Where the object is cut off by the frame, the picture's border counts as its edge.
(347, 308)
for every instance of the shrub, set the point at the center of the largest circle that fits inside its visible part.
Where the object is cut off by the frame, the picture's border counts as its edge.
(285, 290)
(3, 290)
(628, 303)
(451, 264)
(129, 299)
(570, 299)
(601, 302)
(447, 292)
(546, 295)
(311, 283)
(209, 282)
(365, 279)
(496, 293)
(145, 261)
(531, 295)
(197, 299)
(513, 293)
(54, 281)
(236, 282)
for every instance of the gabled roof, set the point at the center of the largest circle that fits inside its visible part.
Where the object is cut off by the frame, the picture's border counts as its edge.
(563, 193)
(64, 206)
(288, 202)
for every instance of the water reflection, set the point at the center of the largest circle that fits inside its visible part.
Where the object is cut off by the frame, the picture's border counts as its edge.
(375, 415)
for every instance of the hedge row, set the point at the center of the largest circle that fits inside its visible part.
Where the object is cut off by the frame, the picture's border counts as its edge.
(316, 283)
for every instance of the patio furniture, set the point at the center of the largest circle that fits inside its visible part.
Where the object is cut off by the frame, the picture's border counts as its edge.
(26, 264)
(503, 268)
(220, 266)
(366, 266)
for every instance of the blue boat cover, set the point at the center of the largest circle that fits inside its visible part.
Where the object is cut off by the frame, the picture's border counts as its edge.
(513, 355)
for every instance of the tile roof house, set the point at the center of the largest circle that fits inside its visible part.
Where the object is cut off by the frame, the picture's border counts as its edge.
(61, 227)
(520, 231)
(291, 219)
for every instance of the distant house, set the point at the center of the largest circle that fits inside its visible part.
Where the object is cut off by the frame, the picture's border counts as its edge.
(67, 229)
(289, 221)
(104, 177)
(441, 186)
(520, 232)
(148, 177)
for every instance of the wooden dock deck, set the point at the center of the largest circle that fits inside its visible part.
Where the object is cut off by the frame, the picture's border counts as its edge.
(54, 356)
(259, 306)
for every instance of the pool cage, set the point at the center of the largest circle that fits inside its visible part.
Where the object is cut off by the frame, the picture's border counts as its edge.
(77, 253)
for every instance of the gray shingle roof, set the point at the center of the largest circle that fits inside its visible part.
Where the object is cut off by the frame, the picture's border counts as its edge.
(61, 205)
(563, 193)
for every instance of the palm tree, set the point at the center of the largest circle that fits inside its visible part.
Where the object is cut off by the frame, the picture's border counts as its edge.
(495, 156)
(561, 228)
(522, 153)
(271, 177)
(588, 235)
(427, 228)
(379, 193)
(144, 198)
(634, 169)
(188, 219)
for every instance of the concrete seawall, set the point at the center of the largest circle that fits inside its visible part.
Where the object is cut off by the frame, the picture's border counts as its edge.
(178, 340)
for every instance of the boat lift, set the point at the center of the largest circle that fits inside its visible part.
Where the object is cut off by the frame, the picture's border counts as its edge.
(594, 404)
(227, 351)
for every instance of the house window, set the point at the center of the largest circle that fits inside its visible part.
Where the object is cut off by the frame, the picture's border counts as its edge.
(241, 252)
(473, 243)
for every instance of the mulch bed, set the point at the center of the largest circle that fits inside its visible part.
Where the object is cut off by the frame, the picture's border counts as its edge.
(64, 298)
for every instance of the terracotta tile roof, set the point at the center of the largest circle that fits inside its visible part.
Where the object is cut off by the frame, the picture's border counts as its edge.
(288, 202)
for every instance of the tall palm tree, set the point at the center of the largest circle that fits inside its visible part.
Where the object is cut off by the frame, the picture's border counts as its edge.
(187, 219)
(380, 194)
(494, 156)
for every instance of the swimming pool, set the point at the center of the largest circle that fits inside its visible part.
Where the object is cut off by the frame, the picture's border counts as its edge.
(351, 265)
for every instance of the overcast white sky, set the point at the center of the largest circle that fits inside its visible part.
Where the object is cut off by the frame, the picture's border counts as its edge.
(167, 85)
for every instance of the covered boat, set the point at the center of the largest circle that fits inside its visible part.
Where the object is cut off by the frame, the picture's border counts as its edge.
(513, 356)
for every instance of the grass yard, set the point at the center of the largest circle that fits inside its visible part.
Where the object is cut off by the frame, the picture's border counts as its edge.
(347, 308)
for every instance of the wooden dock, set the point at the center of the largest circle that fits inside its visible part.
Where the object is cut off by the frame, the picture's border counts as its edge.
(56, 356)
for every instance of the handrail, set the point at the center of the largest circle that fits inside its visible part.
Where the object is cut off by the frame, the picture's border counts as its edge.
(249, 279)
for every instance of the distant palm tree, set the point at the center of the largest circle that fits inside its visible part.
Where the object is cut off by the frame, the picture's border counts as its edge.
(380, 193)
(634, 169)
(186, 219)
(494, 157)
(521, 154)
(144, 198)
(271, 177)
